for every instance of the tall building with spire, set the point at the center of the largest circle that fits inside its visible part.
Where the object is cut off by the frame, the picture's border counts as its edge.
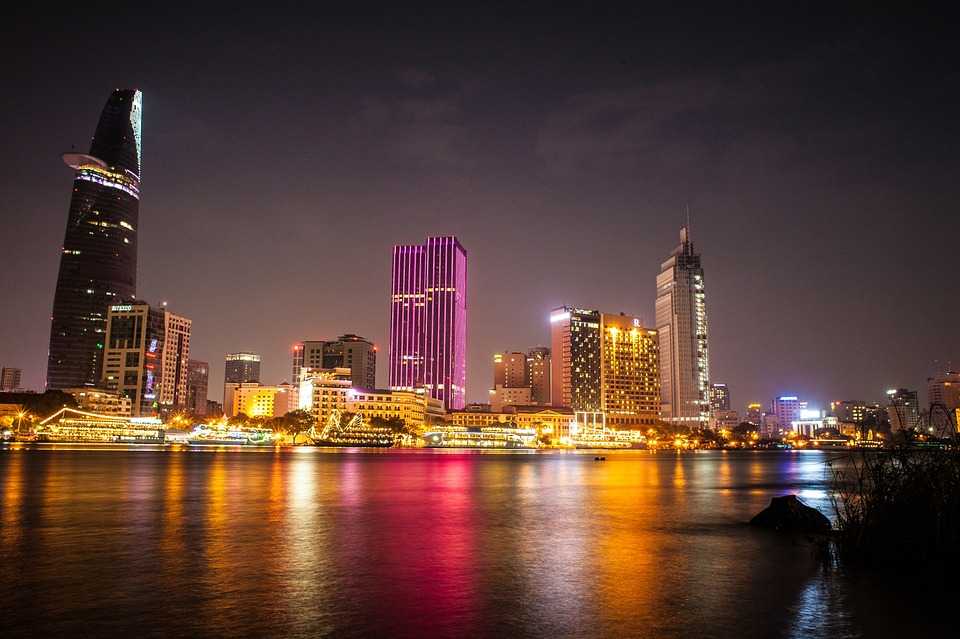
(428, 319)
(98, 261)
(681, 322)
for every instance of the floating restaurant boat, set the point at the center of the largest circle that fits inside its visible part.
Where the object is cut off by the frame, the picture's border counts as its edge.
(481, 437)
(72, 425)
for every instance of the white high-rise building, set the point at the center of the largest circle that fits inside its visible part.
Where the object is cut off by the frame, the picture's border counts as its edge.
(681, 323)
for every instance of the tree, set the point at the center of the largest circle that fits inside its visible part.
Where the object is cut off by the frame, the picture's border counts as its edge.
(296, 422)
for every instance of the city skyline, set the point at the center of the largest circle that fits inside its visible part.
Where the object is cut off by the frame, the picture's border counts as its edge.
(790, 219)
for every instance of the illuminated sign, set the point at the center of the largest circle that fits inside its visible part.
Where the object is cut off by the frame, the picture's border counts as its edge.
(636, 321)
(559, 317)
(120, 308)
(788, 398)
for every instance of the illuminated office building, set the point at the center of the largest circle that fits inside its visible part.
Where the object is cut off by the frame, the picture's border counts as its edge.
(849, 411)
(629, 372)
(719, 397)
(944, 389)
(146, 355)
(241, 368)
(786, 409)
(903, 408)
(575, 363)
(538, 375)
(509, 370)
(259, 400)
(428, 319)
(681, 322)
(198, 376)
(754, 414)
(347, 351)
(10, 379)
(98, 261)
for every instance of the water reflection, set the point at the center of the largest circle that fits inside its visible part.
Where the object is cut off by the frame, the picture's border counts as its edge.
(276, 543)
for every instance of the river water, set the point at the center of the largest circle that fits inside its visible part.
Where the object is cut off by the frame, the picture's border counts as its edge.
(305, 542)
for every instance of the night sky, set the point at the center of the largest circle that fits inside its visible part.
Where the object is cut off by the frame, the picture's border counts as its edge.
(284, 153)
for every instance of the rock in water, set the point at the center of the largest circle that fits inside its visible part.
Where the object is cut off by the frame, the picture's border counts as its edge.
(788, 513)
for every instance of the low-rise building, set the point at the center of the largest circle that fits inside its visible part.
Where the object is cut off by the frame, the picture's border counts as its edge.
(102, 402)
(415, 407)
(260, 400)
(502, 396)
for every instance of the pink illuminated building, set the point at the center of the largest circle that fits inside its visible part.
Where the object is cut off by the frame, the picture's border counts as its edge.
(428, 319)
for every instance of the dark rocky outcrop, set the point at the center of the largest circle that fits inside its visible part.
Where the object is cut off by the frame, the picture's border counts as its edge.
(788, 513)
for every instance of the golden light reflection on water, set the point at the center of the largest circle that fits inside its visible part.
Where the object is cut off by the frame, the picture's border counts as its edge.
(12, 497)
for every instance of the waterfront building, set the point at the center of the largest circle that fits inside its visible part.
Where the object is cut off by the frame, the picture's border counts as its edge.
(98, 260)
(214, 408)
(538, 375)
(575, 362)
(101, 401)
(944, 389)
(414, 407)
(241, 368)
(323, 391)
(787, 409)
(428, 319)
(10, 379)
(605, 362)
(770, 426)
(629, 372)
(849, 411)
(347, 351)
(509, 370)
(719, 397)
(501, 396)
(549, 421)
(198, 375)
(681, 323)
(811, 426)
(260, 400)
(724, 419)
(903, 408)
(754, 413)
(145, 356)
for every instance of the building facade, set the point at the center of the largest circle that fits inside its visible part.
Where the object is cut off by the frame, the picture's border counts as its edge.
(10, 379)
(575, 361)
(903, 409)
(198, 376)
(944, 389)
(681, 323)
(428, 319)
(754, 414)
(98, 261)
(629, 372)
(719, 397)
(786, 409)
(324, 390)
(145, 356)
(260, 400)
(538, 375)
(347, 351)
(501, 396)
(101, 402)
(241, 368)
(415, 408)
(510, 370)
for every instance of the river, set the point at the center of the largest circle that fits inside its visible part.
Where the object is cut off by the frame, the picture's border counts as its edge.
(306, 542)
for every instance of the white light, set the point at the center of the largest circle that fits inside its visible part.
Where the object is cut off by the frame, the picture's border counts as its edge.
(559, 317)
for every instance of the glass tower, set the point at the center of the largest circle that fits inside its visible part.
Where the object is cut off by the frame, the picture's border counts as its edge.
(98, 263)
(428, 319)
(681, 313)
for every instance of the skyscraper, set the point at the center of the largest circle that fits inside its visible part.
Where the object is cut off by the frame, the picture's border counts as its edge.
(509, 370)
(10, 379)
(629, 372)
(903, 408)
(605, 362)
(575, 345)
(428, 319)
(681, 321)
(719, 397)
(98, 262)
(146, 355)
(787, 409)
(240, 368)
(347, 351)
(538, 374)
(198, 375)
(944, 389)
